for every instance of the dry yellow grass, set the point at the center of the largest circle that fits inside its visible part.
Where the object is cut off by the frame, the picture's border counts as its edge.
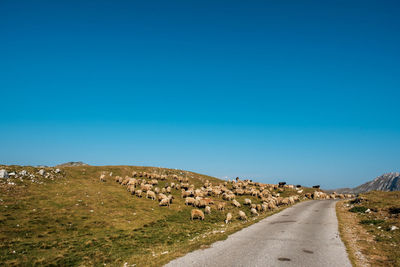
(368, 235)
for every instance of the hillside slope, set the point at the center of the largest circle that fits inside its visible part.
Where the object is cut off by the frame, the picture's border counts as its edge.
(386, 182)
(67, 216)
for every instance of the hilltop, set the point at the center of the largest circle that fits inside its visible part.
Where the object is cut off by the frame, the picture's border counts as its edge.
(72, 164)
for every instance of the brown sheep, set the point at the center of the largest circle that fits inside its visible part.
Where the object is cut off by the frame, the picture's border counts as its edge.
(197, 214)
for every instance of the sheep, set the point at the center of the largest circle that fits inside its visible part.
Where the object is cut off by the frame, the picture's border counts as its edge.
(259, 207)
(138, 193)
(236, 203)
(242, 215)
(161, 196)
(197, 214)
(170, 198)
(102, 178)
(157, 190)
(207, 210)
(264, 207)
(146, 187)
(190, 201)
(254, 211)
(168, 189)
(151, 195)
(221, 206)
(164, 202)
(228, 218)
(247, 201)
(200, 203)
(118, 179)
(131, 189)
(253, 206)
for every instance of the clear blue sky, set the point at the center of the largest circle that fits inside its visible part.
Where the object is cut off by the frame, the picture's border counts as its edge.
(302, 91)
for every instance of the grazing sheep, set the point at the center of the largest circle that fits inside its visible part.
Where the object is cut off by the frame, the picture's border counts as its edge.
(259, 207)
(228, 217)
(131, 189)
(189, 201)
(161, 196)
(197, 214)
(247, 201)
(253, 206)
(271, 206)
(102, 178)
(164, 202)
(151, 195)
(264, 207)
(146, 187)
(200, 203)
(254, 211)
(118, 179)
(170, 198)
(221, 206)
(242, 215)
(236, 203)
(138, 193)
(207, 210)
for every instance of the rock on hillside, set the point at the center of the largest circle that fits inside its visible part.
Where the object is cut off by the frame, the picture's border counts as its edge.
(72, 164)
(386, 182)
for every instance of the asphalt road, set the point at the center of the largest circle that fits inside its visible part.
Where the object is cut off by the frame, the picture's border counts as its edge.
(305, 234)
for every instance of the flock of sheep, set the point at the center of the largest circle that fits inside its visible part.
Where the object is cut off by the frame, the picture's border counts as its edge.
(146, 184)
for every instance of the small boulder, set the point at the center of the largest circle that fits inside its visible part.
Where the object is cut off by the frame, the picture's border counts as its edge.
(368, 211)
(3, 174)
(23, 172)
(57, 170)
(394, 227)
(41, 172)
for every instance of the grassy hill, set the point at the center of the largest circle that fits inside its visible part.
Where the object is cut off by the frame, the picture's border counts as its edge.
(370, 228)
(67, 216)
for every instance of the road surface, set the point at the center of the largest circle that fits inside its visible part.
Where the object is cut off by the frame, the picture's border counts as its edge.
(305, 234)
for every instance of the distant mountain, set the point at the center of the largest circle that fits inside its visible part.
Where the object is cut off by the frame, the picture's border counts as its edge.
(386, 182)
(72, 164)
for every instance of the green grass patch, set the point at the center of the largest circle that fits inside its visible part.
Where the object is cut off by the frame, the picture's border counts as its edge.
(359, 209)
